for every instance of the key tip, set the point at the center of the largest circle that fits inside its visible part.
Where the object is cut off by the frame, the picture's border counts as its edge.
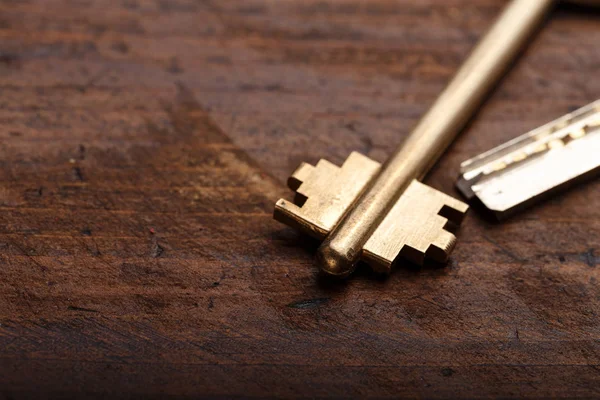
(335, 262)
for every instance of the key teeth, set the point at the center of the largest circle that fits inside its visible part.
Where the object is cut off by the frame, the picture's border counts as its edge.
(411, 254)
(455, 212)
(414, 228)
(288, 213)
(301, 174)
(441, 248)
(323, 193)
(438, 251)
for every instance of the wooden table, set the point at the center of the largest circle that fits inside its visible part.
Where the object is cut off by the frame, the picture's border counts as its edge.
(143, 144)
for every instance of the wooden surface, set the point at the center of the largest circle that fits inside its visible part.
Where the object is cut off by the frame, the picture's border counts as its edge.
(143, 144)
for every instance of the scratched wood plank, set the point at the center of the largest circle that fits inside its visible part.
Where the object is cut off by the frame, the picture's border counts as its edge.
(143, 144)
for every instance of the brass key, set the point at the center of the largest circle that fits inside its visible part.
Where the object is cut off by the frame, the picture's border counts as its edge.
(380, 213)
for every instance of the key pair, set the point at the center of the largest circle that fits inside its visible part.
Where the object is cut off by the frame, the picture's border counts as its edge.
(382, 213)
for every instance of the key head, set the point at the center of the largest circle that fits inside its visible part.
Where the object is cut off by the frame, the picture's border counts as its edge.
(414, 228)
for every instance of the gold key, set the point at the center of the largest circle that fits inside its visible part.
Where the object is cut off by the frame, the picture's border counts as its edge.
(380, 213)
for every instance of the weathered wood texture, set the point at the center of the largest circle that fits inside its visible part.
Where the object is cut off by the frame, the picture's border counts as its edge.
(144, 143)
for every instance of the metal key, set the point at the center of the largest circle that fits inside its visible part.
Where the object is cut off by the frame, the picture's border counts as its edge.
(532, 166)
(381, 213)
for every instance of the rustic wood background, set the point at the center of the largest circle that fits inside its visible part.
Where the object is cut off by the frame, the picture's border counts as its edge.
(144, 143)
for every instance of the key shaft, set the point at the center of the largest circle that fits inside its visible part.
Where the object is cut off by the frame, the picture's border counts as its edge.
(482, 70)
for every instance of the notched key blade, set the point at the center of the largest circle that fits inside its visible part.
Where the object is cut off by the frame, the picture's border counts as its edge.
(414, 229)
(518, 173)
(323, 193)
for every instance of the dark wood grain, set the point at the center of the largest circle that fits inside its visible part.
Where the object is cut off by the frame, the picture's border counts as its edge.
(143, 144)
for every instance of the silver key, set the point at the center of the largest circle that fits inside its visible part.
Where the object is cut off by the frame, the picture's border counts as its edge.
(526, 169)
